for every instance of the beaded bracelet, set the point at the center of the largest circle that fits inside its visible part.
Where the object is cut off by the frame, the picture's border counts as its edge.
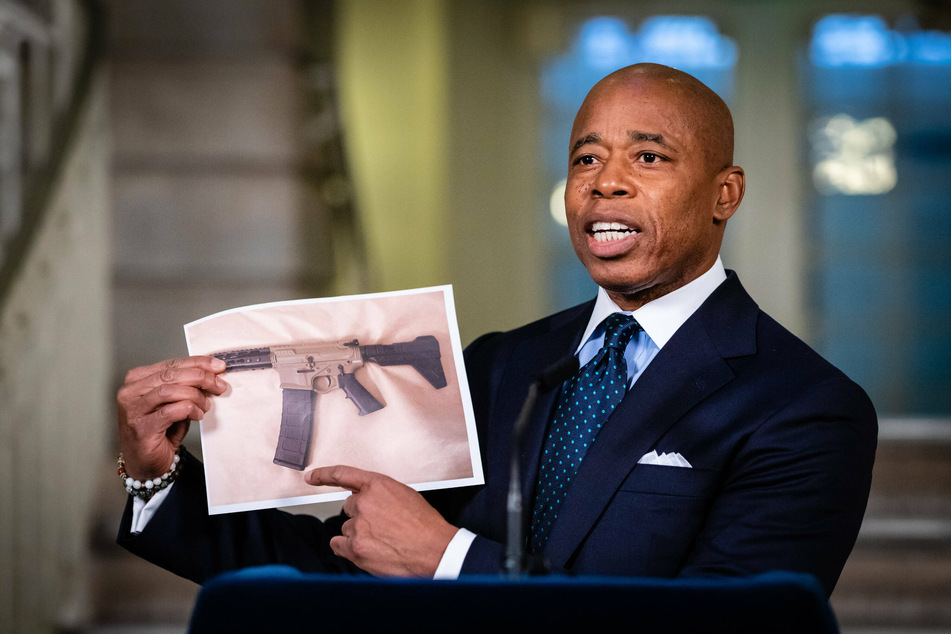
(148, 488)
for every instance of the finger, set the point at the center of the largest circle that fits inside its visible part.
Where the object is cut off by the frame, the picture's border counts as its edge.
(192, 377)
(172, 393)
(137, 374)
(203, 362)
(177, 432)
(132, 407)
(340, 476)
(158, 422)
(172, 375)
(341, 547)
(179, 410)
(349, 507)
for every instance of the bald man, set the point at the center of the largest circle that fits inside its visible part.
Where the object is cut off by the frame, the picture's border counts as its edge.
(734, 450)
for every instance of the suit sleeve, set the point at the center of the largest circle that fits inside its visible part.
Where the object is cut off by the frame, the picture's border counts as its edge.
(184, 539)
(796, 493)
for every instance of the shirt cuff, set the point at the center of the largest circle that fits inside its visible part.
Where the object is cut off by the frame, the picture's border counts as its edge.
(451, 563)
(143, 511)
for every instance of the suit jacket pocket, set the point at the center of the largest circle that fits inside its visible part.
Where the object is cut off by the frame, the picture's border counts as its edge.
(662, 480)
(668, 504)
(651, 523)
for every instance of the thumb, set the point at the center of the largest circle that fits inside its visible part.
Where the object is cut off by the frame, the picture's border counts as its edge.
(177, 432)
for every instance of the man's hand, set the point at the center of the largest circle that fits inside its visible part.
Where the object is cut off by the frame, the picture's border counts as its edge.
(392, 530)
(155, 406)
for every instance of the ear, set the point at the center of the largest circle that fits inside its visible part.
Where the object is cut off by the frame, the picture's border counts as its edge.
(731, 187)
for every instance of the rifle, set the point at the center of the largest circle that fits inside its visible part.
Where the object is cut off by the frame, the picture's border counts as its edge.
(308, 369)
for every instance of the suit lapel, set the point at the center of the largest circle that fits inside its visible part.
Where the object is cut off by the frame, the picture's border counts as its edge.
(532, 356)
(540, 354)
(687, 370)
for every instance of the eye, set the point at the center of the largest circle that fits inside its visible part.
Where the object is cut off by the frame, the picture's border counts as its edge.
(649, 157)
(584, 159)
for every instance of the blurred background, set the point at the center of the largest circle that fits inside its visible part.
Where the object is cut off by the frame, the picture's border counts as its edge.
(161, 160)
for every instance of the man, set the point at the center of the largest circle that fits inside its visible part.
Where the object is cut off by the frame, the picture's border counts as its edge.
(735, 449)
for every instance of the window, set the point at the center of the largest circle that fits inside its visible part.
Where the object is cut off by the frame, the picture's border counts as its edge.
(877, 99)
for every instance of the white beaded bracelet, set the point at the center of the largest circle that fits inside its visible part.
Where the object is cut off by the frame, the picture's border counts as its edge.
(146, 489)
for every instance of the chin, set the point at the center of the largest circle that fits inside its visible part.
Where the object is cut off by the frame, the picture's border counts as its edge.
(618, 276)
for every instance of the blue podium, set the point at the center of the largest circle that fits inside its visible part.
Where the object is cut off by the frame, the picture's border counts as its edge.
(279, 598)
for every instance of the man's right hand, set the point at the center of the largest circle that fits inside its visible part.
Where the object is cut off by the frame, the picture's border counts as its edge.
(157, 404)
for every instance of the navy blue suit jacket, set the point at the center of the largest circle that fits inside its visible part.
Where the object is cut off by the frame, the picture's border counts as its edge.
(781, 444)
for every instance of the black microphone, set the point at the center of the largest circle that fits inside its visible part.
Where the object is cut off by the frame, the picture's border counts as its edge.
(552, 377)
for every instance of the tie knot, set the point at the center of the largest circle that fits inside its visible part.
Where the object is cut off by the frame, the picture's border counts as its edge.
(619, 329)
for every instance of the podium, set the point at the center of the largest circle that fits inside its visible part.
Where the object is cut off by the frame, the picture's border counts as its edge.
(280, 598)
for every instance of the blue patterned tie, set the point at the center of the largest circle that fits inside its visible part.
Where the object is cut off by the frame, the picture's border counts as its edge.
(587, 400)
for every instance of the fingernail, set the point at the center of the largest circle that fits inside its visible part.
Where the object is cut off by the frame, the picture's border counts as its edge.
(218, 364)
(220, 382)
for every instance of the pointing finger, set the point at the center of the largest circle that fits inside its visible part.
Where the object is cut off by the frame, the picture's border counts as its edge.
(340, 476)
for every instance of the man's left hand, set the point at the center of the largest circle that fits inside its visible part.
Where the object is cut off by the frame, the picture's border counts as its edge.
(392, 530)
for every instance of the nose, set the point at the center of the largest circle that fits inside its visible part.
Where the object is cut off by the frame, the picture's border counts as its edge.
(612, 181)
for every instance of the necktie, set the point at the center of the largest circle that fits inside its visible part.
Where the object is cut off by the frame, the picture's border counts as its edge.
(587, 400)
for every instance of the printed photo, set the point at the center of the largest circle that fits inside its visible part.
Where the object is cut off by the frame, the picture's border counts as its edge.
(370, 381)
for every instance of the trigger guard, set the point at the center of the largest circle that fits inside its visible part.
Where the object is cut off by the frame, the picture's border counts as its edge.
(323, 383)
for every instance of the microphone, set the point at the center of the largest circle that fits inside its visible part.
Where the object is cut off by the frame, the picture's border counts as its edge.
(552, 377)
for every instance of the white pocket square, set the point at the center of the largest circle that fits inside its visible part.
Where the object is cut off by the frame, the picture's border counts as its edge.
(665, 460)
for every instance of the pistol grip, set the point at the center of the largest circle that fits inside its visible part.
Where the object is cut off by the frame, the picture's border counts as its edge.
(366, 403)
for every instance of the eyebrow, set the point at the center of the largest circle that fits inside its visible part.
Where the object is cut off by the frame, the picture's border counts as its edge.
(638, 136)
(635, 135)
(594, 137)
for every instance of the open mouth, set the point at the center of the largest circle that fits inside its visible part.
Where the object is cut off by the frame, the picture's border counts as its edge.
(610, 231)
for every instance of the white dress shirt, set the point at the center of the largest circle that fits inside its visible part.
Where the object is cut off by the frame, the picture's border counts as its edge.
(659, 320)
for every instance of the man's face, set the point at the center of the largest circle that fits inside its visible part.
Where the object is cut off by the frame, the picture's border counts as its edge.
(641, 198)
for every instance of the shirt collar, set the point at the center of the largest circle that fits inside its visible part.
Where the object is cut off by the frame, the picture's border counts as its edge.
(662, 317)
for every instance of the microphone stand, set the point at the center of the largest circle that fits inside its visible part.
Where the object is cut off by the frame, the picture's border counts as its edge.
(515, 541)
(515, 536)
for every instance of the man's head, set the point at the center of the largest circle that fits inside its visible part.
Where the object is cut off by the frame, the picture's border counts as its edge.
(651, 181)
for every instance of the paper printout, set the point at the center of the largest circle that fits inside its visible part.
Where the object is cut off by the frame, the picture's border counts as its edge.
(419, 434)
